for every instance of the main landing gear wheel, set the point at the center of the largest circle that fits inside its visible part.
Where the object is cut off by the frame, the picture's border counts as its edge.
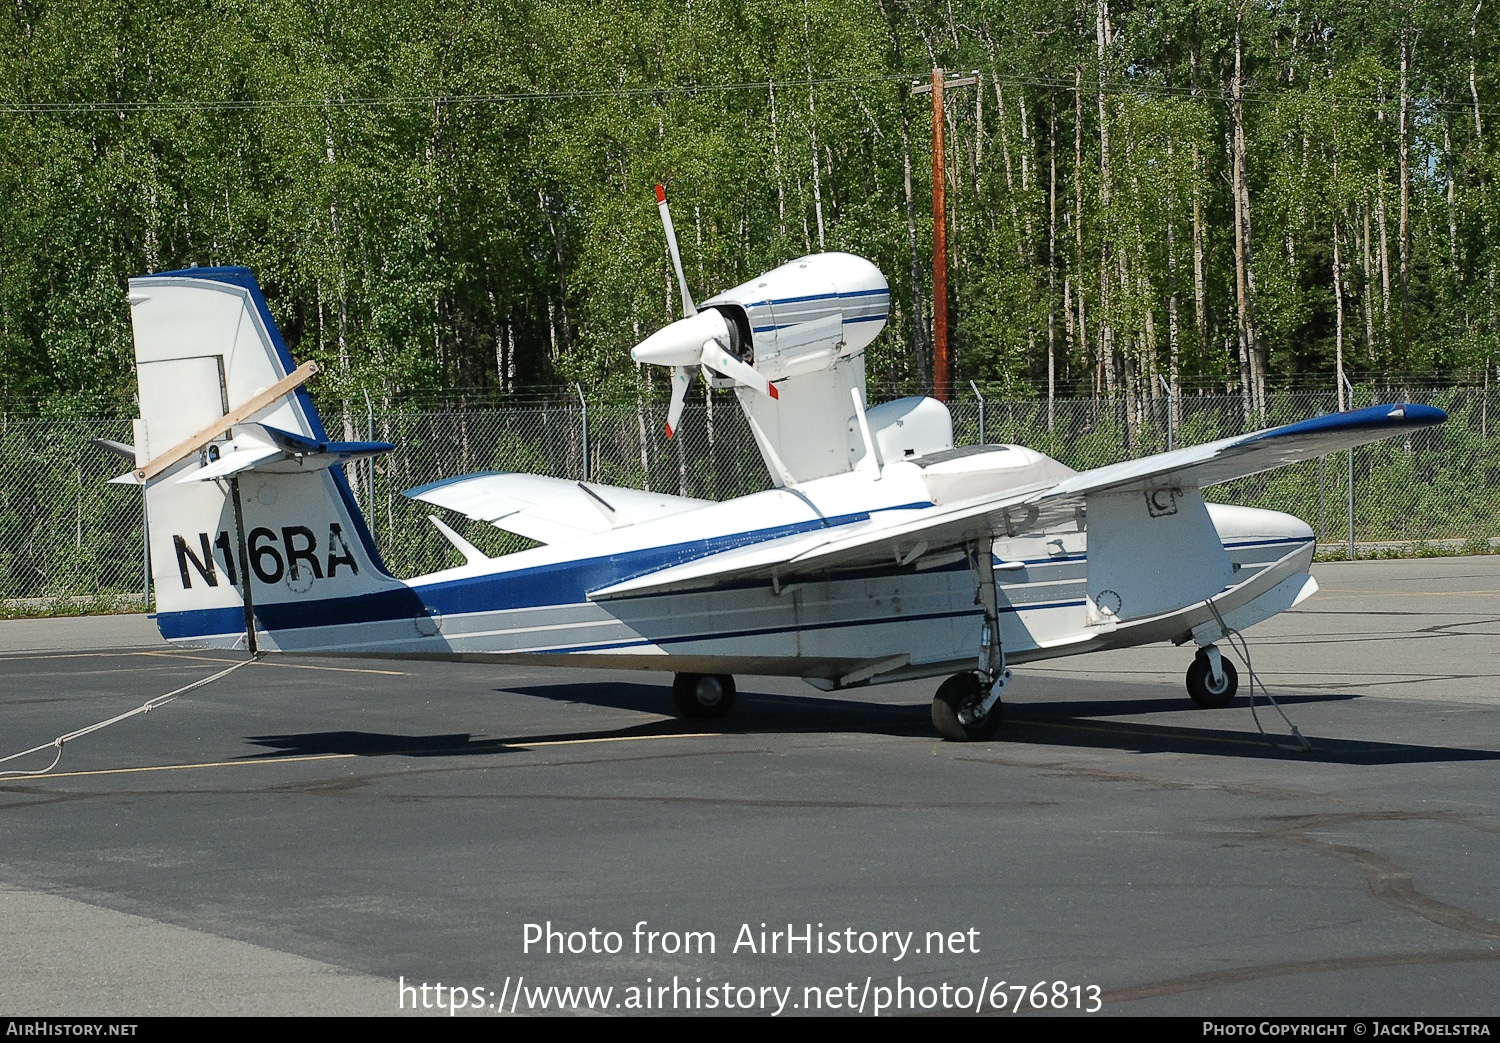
(703, 695)
(1201, 687)
(955, 710)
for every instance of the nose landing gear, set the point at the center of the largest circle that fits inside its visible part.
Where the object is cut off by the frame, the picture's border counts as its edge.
(1212, 680)
(967, 706)
(965, 709)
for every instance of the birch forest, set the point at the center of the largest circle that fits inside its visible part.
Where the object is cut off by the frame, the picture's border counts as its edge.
(1237, 196)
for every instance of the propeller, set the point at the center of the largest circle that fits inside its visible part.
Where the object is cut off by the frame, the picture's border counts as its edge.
(682, 373)
(697, 339)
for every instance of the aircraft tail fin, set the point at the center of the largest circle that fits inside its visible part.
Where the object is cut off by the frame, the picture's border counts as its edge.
(242, 482)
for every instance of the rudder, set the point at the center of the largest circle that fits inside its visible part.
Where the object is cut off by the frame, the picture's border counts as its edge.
(235, 491)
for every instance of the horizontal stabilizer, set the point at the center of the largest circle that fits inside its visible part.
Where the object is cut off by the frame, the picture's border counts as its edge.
(232, 462)
(259, 447)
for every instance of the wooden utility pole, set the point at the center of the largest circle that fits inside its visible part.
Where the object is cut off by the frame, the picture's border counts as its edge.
(940, 376)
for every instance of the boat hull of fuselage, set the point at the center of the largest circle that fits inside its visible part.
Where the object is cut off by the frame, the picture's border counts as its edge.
(906, 622)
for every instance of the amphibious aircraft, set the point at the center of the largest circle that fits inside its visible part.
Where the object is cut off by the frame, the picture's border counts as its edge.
(883, 552)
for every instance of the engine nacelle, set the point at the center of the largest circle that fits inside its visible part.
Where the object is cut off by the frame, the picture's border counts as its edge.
(807, 314)
(793, 337)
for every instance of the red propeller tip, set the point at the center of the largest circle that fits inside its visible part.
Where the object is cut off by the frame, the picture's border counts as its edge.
(661, 194)
(774, 393)
(669, 430)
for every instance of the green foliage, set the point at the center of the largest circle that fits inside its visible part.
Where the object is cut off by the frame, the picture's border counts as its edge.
(441, 196)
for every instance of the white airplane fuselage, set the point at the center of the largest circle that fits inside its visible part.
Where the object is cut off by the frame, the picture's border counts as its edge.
(883, 553)
(917, 618)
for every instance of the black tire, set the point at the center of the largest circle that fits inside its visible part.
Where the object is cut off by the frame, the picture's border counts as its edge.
(953, 710)
(702, 696)
(1201, 687)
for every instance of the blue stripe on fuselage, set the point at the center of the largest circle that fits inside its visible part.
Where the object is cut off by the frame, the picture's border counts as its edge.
(847, 322)
(557, 583)
(846, 295)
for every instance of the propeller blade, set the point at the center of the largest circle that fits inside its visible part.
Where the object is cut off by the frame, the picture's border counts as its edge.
(725, 364)
(689, 309)
(682, 376)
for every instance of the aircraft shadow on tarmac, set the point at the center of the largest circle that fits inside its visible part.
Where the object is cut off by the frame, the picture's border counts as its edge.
(379, 744)
(1069, 723)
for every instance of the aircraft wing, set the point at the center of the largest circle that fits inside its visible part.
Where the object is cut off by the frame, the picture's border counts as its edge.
(1244, 455)
(849, 546)
(1015, 511)
(549, 510)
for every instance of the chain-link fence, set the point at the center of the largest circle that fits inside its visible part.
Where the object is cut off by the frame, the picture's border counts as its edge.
(68, 538)
(64, 533)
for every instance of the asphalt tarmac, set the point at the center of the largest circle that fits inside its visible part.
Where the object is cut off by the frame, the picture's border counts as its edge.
(329, 836)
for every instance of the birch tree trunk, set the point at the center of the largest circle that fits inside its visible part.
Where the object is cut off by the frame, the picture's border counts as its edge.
(1251, 350)
(1385, 266)
(1200, 292)
(1078, 266)
(776, 157)
(1338, 307)
(1368, 273)
(1404, 175)
(1052, 265)
(812, 126)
